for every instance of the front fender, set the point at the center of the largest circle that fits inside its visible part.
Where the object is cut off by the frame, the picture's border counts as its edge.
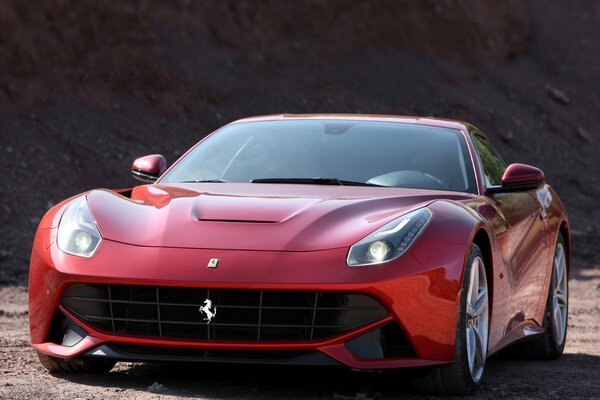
(431, 299)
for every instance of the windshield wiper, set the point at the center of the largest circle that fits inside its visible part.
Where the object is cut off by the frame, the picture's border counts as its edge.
(313, 181)
(205, 181)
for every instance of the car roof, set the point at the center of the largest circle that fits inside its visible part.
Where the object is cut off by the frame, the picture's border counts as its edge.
(428, 121)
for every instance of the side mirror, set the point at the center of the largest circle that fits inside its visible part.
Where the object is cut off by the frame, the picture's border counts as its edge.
(149, 168)
(520, 177)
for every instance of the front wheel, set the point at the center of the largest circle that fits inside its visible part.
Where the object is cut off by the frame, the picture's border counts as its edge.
(470, 348)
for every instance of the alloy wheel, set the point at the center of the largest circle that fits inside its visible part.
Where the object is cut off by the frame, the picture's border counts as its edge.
(477, 319)
(560, 299)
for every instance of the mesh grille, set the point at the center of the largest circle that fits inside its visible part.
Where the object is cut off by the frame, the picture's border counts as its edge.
(245, 315)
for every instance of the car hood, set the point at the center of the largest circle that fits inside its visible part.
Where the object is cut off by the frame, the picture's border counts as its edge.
(240, 216)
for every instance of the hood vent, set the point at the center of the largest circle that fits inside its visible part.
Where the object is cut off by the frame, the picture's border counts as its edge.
(240, 221)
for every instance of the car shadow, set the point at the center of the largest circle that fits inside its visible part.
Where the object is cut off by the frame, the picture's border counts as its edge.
(585, 274)
(571, 375)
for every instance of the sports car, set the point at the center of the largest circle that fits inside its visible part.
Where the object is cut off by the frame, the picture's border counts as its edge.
(365, 241)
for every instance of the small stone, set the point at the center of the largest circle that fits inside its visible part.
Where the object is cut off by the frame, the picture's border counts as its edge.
(558, 95)
(506, 137)
(5, 254)
(585, 135)
(157, 388)
(9, 149)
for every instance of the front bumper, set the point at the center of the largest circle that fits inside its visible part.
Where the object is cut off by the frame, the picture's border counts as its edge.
(420, 291)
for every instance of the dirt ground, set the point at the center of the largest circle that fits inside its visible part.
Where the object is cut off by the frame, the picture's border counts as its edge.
(574, 375)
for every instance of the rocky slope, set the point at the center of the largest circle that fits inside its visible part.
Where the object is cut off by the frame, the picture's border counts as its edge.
(87, 86)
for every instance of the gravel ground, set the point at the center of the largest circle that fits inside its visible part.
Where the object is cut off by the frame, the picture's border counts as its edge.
(574, 375)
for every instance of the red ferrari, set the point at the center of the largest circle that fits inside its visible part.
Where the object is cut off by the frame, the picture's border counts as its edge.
(371, 242)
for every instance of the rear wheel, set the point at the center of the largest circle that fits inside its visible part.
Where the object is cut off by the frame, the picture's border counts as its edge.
(75, 365)
(470, 348)
(551, 344)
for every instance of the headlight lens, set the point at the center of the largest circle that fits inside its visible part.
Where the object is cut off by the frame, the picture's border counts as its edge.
(77, 231)
(379, 250)
(391, 240)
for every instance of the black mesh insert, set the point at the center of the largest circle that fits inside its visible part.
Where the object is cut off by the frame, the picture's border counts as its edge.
(245, 315)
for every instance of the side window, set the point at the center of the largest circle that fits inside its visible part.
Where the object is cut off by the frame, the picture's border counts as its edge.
(492, 162)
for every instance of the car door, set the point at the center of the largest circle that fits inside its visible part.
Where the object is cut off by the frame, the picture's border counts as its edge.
(522, 238)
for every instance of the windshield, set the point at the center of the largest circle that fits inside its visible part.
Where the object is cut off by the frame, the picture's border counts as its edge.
(362, 152)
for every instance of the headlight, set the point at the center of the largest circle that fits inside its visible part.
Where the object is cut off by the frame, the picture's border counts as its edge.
(77, 230)
(391, 240)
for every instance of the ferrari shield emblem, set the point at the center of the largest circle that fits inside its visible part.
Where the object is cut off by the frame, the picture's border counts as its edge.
(213, 262)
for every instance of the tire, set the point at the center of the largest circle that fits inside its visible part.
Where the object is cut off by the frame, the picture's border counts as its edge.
(76, 365)
(551, 344)
(466, 372)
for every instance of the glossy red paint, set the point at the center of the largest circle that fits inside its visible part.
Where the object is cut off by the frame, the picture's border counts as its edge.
(152, 165)
(296, 237)
(274, 217)
(427, 314)
(522, 173)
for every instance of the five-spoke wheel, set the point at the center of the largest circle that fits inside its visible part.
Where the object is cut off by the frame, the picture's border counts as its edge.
(560, 297)
(477, 319)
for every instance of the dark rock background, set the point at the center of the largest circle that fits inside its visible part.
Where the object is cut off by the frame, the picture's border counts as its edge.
(87, 86)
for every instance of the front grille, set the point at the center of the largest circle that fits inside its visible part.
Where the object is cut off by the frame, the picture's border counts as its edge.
(245, 315)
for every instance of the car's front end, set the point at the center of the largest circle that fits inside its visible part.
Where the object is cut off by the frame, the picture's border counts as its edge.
(254, 291)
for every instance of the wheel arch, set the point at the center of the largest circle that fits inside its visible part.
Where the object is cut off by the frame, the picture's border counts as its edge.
(482, 240)
(564, 231)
